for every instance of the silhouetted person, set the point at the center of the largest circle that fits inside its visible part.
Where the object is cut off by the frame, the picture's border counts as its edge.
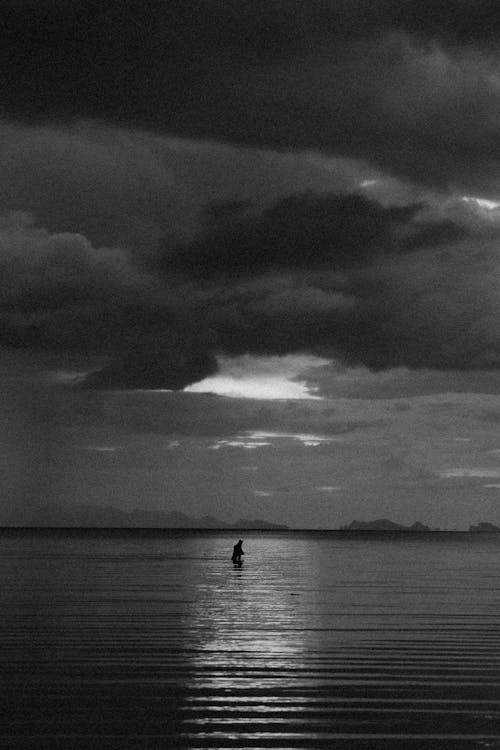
(237, 552)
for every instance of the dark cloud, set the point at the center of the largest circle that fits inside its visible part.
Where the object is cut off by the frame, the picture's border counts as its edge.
(411, 86)
(61, 294)
(183, 182)
(135, 351)
(116, 187)
(129, 189)
(427, 309)
(172, 366)
(331, 275)
(333, 232)
(43, 271)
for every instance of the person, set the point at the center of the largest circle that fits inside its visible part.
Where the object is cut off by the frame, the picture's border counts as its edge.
(237, 552)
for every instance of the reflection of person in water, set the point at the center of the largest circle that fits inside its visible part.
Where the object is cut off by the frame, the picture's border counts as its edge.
(237, 552)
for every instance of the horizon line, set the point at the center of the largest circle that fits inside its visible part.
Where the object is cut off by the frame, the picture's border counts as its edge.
(278, 529)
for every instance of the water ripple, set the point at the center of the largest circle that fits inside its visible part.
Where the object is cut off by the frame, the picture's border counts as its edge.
(135, 640)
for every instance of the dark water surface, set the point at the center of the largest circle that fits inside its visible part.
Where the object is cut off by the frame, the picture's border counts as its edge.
(145, 639)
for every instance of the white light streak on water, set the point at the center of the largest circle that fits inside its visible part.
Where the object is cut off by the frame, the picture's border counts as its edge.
(144, 639)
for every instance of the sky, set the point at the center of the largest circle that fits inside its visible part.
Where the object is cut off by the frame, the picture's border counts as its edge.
(250, 258)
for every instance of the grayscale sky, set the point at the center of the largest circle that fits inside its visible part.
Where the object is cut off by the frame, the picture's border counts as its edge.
(250, 258)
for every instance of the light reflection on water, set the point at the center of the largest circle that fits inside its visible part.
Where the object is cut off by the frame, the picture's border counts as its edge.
(133, 639)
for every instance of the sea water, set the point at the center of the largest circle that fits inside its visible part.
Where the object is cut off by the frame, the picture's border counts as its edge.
(155, 639)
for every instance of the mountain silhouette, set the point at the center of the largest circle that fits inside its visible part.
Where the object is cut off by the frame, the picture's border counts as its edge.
(484, 526)
(109, 516)
(383, 524)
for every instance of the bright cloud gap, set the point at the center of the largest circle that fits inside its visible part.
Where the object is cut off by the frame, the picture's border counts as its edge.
(484, 203)
(262, 378)
(257, 439)
(479, 472)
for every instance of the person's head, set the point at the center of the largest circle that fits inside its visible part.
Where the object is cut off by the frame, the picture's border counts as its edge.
(240, 541)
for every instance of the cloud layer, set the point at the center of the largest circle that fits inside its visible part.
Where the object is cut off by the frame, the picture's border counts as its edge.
(332, 231)
(205, 180)
(410, 85)
(338, 276)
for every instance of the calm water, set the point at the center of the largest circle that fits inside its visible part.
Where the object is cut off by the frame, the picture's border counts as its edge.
(132, 639)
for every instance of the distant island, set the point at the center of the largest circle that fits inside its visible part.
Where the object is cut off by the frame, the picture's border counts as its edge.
(484, 527)
(111, 517)
(108, 516)
(383, 524)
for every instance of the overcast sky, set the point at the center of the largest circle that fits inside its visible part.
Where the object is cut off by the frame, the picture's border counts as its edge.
(291, 204)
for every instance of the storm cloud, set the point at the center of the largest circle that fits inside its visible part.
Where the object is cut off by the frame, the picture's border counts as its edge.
(213, 179)
(413, 87)
(332, 231)
(361, 297)
(120, 186)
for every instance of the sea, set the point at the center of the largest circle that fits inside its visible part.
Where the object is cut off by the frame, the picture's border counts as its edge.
(155, 639)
